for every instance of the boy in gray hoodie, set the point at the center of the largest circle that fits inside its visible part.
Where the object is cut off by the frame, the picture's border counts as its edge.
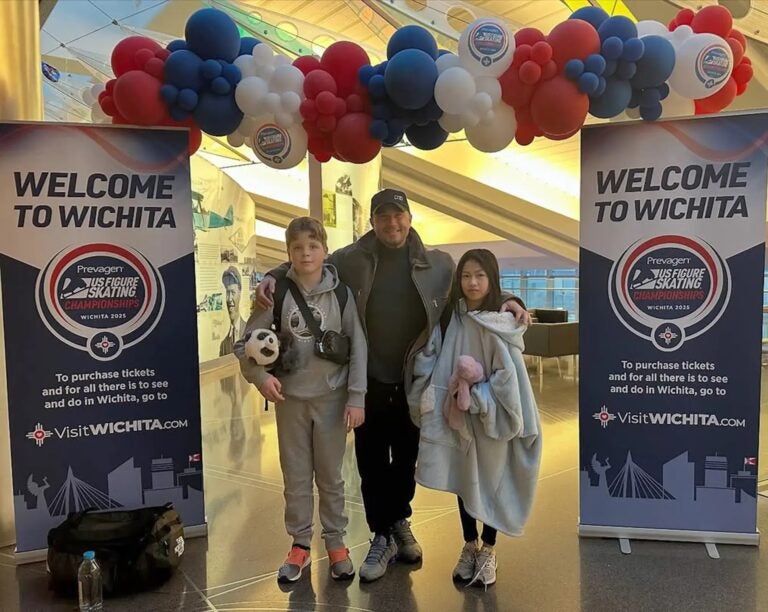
(317, 402)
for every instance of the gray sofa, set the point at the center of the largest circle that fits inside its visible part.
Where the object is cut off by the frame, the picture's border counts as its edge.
(551, 335)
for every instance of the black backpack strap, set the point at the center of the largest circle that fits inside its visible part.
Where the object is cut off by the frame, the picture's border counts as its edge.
(342, 295)
(281, 288)
(445, 319)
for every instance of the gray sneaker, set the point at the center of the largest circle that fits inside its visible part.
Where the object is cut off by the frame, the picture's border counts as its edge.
(465, 567)
(341, 564)
(408, 549)
(293, 566)
(381, 553)
(485, 567)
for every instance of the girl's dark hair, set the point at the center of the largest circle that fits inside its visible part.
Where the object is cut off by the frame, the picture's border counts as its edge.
(487, 261)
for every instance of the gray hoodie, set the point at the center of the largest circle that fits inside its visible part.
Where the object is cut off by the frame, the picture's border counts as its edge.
(314, 377)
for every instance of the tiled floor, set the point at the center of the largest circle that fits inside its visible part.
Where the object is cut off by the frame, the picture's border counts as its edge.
(549, 568)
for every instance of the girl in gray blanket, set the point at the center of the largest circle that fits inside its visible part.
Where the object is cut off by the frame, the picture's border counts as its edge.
(480, 429)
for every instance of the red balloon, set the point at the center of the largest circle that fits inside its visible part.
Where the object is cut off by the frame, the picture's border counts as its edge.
(685, 17)
(719, 100)
(541, 52)
(740, 37)
(325, 102)
(124, 55)
(195, 135)
(521, 55)
(740, 88)
(311, 129)
(155, 66)
(558, 107)
(548, 70)
(110, 86)
(307, 63)
(562, 136)
(513, 91)
(308, 110)
(162, 54)
(352, 141)
(528, 36)
(743, 73)
(745, 60)
(318, 81)
(137, 98)
(573, 39)
(355, 103)
(326, 123)
(342, 60)
(713, 19)
(107, 104)
(525, 132)
(672, 25)
(738, 50)
(340, 109)
(530, 72)
(143, 56)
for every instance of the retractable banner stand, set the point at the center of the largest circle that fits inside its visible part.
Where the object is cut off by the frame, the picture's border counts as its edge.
(96, 256)
(671, 282)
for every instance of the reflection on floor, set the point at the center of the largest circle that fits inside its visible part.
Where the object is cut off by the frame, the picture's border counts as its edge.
(547, 569)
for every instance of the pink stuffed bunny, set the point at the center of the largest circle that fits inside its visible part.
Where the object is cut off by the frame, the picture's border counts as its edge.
(468, 372)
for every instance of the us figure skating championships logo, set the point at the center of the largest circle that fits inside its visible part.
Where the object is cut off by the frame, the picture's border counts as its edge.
(100, 298)
(669, 289)
(488, 42)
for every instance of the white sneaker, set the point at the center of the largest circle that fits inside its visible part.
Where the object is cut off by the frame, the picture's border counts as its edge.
(465, 567)
(485, 566)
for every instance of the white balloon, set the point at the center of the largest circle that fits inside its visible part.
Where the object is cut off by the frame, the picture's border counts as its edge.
(236, 139)
(488, 117)
(675, 105)
(281, 60)
(249, 142)
(286, 78)
(284, 120)
(87, 97)
(272, 102)
(454, 90)
(98, 115)
(491, 86)
(469, 119)
(263, 54)
(263, 71)
(96, 89)
(290, 101)
(680, 35)
(486, 47)
(481, 103)
(494, 135)
(633, 113)
(451, 123)
(703, 65)
(246, 65)
(249, 94)
(445, 61)
(649, 27)
(279, 147)
(246, 127)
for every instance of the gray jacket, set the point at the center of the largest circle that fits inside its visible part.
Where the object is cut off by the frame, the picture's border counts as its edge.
(313, 376)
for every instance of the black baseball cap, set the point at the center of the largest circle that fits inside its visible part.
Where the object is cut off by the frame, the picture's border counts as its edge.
(389, 196)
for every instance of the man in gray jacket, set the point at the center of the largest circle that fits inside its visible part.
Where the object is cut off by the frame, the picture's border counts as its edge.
(401, 290)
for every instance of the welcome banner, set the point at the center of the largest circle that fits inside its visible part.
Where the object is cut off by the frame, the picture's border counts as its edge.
(97, 271)
(671, 290)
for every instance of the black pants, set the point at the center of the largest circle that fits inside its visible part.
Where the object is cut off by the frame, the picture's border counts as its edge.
(469, 526)
(386, 446)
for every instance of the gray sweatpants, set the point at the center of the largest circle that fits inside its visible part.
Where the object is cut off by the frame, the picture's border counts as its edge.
(312, 438)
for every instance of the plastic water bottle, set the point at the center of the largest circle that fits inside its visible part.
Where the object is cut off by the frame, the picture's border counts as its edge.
(89, 583)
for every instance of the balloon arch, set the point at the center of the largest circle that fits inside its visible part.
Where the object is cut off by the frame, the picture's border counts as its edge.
(500, 86)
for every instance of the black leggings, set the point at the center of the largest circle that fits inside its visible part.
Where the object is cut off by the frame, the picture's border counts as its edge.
(469, 526)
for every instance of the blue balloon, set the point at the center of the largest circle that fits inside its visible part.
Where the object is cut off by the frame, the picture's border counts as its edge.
(633, 49)
(231, 73)
(220, 86)
(594, 63)
(426, 137)
(634, 101)
(612, 48)
(178, 114)
(610, 68)
(217, 115)
(657, 63)
(365, 73)
(377, 86)
(593, 15)
(247, 44)
(412, 37)
(378, 129)
(433, 111)
(650, 113)
(212, 35)
(588, 83)
(626, 70)
(169, 94)
(622, 27)
(187, 99)
(183, 69)
(664, 91)
(381, 111)
(574, 68)
(614, 100)
(393, 138)
(211, 69)
(410, 78)
(176, 45)
(381, 68)
(650, 97)
(397, 124)
(441, 52)
(602, 83)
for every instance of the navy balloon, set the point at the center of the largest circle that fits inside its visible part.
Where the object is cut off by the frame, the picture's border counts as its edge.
(231, 73)
(650, 113)
(188, 99)
(169, 94)
(217, 115)
(377, 86)
(395, 136)
(378, 129)
(426, 137)
(212, 35)
(619, 26)
(614, 100)
(365, 73)
(657, 63)
(184, 70)
(247, 44)
(410, 78)
(593, 15)
(176, 45)
(412, 37)
(574, 68)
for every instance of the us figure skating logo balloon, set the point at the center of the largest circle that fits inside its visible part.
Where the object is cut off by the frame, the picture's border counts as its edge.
(669, 289)
(100, 298)
(713, 65)
(488, 42)
(273, 143)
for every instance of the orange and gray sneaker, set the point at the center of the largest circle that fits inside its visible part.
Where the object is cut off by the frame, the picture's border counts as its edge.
(291, 569)
(341, 564)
